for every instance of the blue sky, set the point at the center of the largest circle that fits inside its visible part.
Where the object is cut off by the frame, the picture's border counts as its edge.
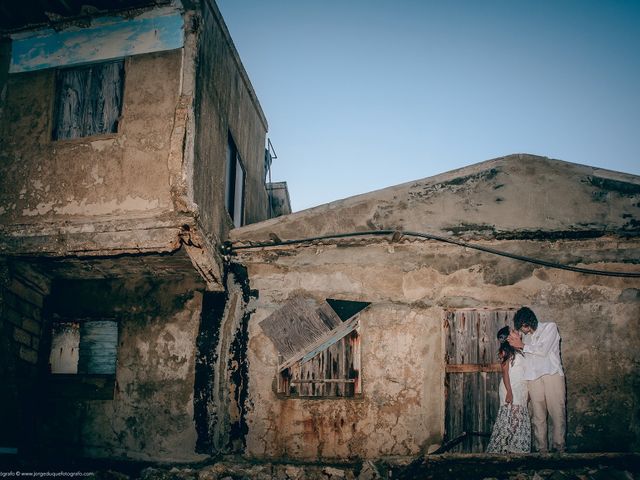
(365, 94)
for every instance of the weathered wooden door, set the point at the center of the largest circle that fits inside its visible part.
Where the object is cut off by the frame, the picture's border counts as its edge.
(472, 375)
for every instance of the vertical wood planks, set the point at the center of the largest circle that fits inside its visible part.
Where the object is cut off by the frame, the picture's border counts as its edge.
(472, 396)
(88, 100)
(98, 347)
(333, 372)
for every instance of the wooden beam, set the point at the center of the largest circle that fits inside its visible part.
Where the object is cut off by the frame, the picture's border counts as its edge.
(325, 380)
(473, 368)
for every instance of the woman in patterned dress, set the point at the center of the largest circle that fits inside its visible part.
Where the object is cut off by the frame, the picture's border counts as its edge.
(512, 430)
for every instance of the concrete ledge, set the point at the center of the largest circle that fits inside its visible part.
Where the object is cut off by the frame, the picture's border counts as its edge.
(106, 237)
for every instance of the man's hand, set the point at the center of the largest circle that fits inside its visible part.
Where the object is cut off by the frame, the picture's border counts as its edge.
(515, 341)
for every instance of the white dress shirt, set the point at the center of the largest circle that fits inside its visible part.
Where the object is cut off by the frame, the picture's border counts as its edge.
(542, 352)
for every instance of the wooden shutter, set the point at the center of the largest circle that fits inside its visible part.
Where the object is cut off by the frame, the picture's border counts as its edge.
(333, 372)
(98, 347)
(88, 100)
(319, 350)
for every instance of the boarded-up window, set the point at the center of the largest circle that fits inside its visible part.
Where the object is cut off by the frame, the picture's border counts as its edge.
(88, 347)
(88, 100)
(319, 349)
(234, 185)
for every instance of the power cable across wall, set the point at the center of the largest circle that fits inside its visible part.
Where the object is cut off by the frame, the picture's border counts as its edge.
(397, 234)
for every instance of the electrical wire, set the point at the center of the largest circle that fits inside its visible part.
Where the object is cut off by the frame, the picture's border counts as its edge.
(399, 234)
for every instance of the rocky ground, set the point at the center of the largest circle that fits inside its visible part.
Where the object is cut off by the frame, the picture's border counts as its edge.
(448, 466)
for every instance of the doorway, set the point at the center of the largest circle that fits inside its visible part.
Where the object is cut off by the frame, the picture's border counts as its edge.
(472, 375)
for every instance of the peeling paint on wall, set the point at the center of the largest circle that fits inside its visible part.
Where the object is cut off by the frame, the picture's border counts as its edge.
(205, 407)
(75, 207)
(238, 365)
(107, 38)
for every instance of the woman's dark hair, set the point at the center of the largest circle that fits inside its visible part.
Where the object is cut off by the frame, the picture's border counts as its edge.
(506, 352)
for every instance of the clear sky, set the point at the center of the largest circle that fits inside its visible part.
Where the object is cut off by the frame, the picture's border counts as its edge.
(365, 94)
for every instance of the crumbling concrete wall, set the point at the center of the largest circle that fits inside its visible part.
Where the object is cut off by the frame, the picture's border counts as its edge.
(225, 104)
(410, 284)
(119, 175)
(221, 381)
(149, 415)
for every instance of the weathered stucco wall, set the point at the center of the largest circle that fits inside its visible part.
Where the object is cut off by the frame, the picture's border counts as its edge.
(396, 414)
(410, 284)
(225, 103)
(150, 414)
(123, 174)
(517, 196)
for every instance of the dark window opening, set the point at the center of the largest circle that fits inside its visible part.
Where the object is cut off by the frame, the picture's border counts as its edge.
(234, 185)
(88, 100)
(347, 308)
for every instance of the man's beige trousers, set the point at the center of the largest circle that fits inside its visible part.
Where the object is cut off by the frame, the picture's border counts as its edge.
(547, 394)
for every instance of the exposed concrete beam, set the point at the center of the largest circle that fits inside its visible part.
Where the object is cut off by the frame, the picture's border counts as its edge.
(103, 238)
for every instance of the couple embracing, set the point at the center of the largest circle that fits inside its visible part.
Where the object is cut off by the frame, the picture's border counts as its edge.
(531, 371)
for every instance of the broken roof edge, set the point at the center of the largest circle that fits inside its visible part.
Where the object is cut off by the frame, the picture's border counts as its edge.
(513, 196)
(117, 237)
(104, 237)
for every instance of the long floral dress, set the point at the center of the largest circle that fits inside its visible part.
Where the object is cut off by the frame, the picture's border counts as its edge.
(512, 430)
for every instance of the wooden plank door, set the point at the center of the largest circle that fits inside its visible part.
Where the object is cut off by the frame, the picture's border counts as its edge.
(472, 375)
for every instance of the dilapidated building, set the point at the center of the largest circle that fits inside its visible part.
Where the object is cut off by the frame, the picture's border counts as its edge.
(372, 321)
(131, 142)
(132, 148)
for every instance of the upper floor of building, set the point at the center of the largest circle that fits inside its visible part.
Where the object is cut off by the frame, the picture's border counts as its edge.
(134, 117)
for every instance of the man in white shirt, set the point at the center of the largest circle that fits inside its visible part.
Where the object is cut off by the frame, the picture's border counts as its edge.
(544, 375)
